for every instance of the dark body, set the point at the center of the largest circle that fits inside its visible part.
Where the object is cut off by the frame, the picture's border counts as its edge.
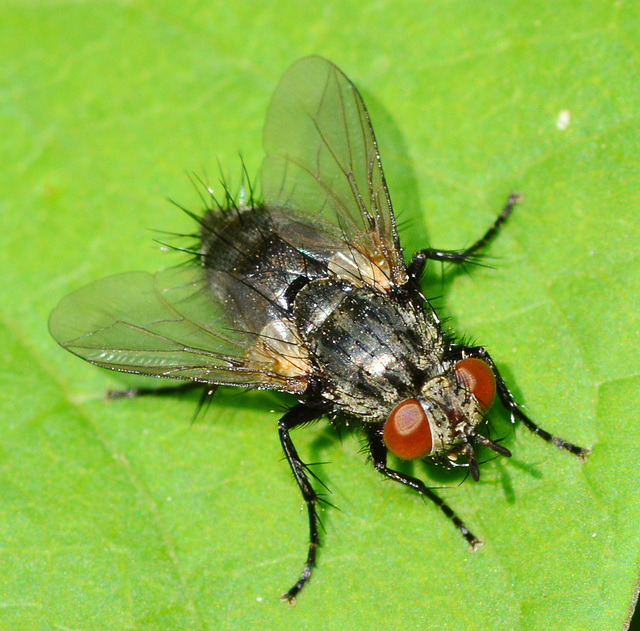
(362, 351)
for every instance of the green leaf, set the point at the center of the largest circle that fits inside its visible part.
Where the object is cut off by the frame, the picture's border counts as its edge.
(124, 515)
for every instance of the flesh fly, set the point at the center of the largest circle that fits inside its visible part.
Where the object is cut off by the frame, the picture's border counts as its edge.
(307, 292)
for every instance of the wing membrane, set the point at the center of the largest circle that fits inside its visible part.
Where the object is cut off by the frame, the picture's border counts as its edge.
(162, 325)
(322, 160)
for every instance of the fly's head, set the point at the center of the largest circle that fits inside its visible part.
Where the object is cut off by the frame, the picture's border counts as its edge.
(442, 419)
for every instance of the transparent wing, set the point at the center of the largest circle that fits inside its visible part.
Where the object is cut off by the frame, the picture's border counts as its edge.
(165, 325)
(322, 161)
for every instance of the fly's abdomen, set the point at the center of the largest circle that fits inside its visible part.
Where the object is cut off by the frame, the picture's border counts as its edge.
(255, 272)
(250, 266)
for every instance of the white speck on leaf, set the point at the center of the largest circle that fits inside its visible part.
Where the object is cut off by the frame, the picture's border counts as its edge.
(564, 118)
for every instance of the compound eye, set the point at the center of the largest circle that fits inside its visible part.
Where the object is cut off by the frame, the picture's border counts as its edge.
(477, 377)
(407, 433)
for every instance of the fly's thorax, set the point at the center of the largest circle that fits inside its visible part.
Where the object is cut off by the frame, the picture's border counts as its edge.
(368, 346)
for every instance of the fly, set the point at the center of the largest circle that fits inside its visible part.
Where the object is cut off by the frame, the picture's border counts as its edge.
(307, 292)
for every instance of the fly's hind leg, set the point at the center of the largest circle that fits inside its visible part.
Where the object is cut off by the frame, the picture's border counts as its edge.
(299, 415)
(186, 386)
(510, 404)
(378, 453)
(460, 256)
(205, 396)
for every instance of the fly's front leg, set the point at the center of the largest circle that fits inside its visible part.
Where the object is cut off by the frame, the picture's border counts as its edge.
(299, 415)
(460, 256)
(510, 404)
(379, 457)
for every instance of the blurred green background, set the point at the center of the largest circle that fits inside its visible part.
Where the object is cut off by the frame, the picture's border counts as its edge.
(123, 514)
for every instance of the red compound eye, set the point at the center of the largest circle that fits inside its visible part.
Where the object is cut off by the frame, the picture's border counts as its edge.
(407, 433)
(477, 376)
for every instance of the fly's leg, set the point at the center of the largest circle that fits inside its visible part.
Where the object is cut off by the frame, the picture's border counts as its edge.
(460, 256)
(130, 393)
(378, 452)
(203, 404)
(299, 415)
(510, 404)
